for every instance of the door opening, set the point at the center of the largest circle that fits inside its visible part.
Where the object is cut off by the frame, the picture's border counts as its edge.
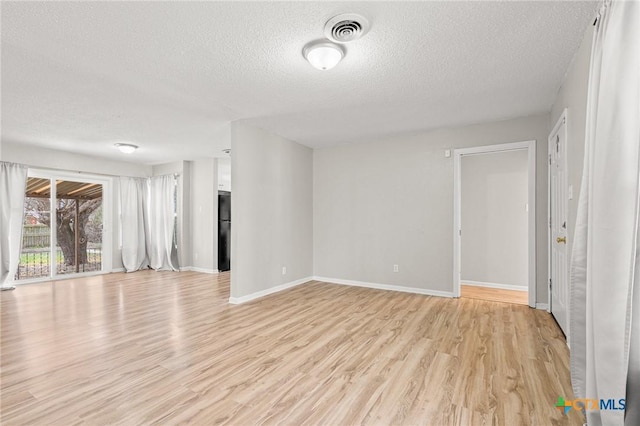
(494, 222)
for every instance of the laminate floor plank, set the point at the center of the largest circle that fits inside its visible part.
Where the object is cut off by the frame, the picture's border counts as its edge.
(167, 348)
(519, 297)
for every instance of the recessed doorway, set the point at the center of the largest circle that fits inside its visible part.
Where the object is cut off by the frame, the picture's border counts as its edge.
(494, 223)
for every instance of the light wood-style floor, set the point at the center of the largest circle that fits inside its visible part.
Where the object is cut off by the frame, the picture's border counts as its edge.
(167, 348)
(494, 294)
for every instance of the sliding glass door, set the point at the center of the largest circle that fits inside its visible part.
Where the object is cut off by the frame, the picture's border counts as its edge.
(79, 227)
(76, 245)
(35, 256)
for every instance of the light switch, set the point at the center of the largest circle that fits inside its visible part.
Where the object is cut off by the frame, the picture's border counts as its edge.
(447, 153)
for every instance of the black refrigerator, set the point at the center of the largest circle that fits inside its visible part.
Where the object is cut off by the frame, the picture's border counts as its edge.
(224, 231)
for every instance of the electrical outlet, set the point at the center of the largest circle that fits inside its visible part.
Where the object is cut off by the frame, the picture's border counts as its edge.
(395, 268)
(284, 270)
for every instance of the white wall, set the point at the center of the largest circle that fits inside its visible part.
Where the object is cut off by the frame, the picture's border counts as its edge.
(494, 243)
(61, 160)
(43, 158)
(204, 215)
(272, 212)
(390, 202)
(224, 174)
(573, 96)
(175, 167)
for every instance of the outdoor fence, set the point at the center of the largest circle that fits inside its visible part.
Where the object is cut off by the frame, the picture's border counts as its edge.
(34, 236)
(34, 262)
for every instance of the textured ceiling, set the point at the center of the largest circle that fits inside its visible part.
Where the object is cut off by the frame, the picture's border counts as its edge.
(170, 76)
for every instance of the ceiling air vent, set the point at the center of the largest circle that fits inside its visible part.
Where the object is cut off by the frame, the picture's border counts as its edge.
(346, 27)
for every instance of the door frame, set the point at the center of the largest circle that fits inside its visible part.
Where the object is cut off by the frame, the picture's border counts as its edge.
(530, 146)
(107, 220)
(561, 120)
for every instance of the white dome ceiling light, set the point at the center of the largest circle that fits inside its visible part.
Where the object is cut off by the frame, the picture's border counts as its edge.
(323, 54)
(126, 148)
(346, 27)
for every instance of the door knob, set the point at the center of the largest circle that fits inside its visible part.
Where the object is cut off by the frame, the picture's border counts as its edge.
(562, 240)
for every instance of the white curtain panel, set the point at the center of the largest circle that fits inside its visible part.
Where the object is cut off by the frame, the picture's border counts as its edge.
(604, 270)
(133, 198)
(13, 184)
(161, 222)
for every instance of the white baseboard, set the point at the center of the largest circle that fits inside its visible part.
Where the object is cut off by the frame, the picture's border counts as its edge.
(114, 270)
(390, 287)
(258, 294)
(494, 285)
(196, 269)
(542, 306)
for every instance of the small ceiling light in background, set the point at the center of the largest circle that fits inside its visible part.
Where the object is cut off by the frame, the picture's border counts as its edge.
(323, 54)
(126, 148)
(227, 151)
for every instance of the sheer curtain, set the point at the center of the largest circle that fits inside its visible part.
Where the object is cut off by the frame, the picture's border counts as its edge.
(13, 184)
(605, 268)
(161, 222)
(133, 198)
(148, 222)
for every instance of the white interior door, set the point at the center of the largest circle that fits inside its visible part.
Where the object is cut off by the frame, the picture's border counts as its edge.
(558, 259)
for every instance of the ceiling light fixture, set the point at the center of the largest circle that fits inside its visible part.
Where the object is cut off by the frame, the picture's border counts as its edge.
(126, 148)
(323, 54)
